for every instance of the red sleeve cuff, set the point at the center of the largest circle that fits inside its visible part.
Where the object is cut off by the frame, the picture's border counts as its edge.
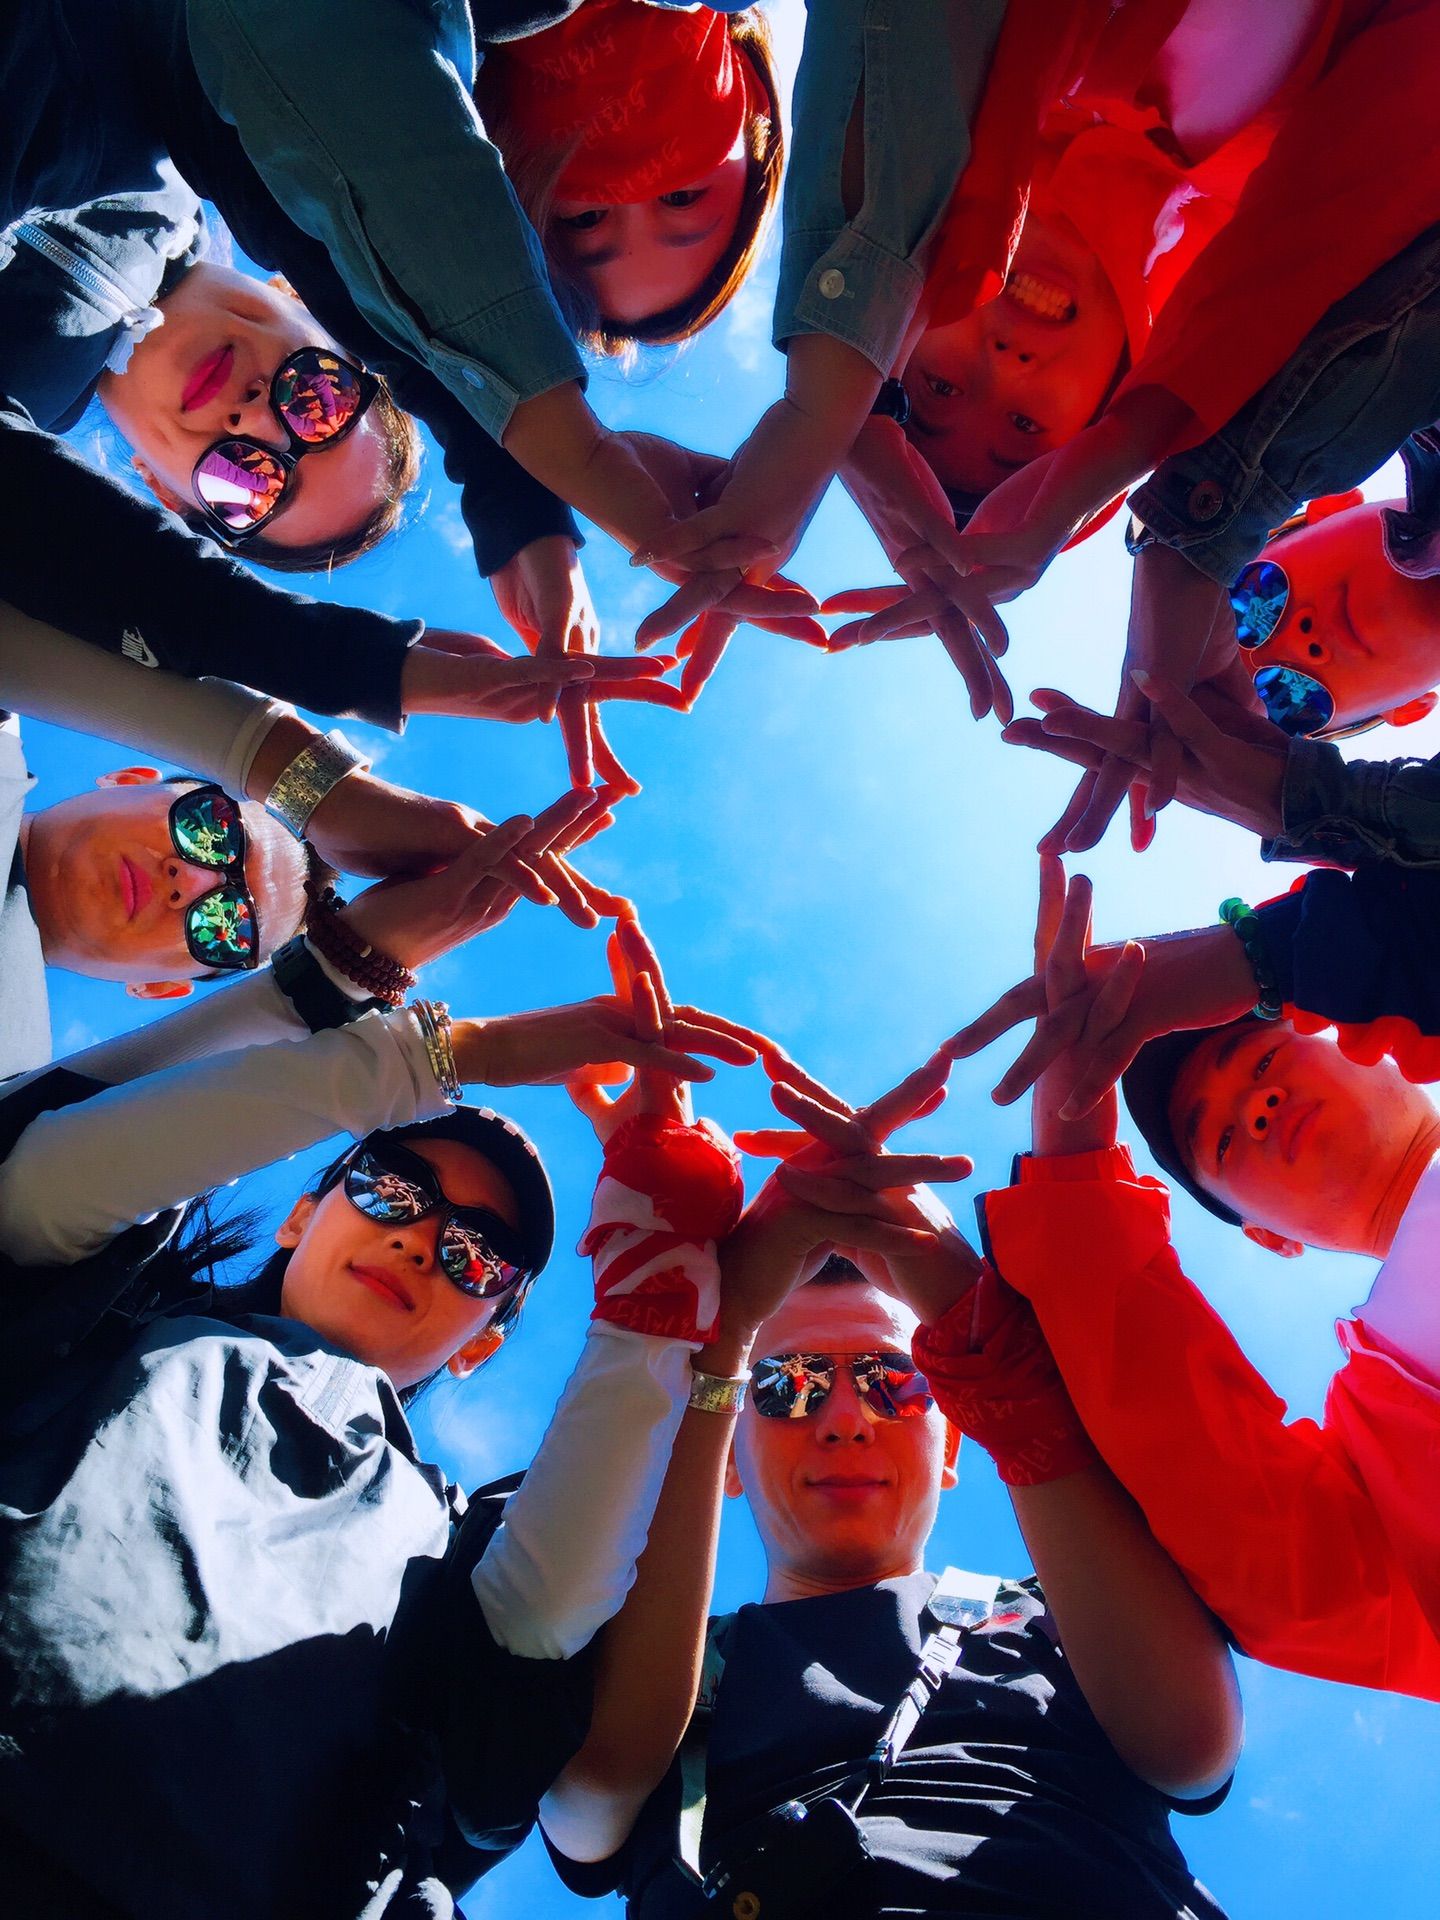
(1104, 1163)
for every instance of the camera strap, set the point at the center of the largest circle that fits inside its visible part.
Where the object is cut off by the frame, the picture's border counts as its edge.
(961, 1603)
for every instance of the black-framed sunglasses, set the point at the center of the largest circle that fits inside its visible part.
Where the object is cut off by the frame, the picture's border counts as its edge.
(222, 929)
(477, 1251)
(1297, 702)
(791, 1386)
(317, 397)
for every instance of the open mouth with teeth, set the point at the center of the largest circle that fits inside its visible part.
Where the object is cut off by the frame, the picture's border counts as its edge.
(1043, 299)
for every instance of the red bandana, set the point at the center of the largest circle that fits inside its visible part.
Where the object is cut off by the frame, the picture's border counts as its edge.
(651, 100)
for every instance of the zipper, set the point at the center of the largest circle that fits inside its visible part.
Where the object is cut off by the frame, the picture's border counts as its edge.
(113, 298)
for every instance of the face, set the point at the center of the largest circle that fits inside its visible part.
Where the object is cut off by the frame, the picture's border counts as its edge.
(206, 375)
(377, 1291)
(1296, 1138)
(109, 891)
(1367, 633)
(641, 260)
(840, 1499)
(1022, 374)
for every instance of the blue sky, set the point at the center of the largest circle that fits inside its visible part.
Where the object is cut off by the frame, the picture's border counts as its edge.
(832, 850)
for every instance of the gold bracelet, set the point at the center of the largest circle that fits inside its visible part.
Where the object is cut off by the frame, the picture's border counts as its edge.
(309, 777)
(433, 1019)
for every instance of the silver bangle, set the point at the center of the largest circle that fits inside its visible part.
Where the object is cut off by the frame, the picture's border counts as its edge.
(433, 1019)
(717, 1393)
(309, 777)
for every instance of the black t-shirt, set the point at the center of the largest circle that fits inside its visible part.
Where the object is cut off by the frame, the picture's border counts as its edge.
(1008, 1801)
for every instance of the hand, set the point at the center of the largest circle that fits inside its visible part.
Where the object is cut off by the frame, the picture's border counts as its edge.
(415, 921)
(640, 986)
(1239, 778)
(1084, 1041)
(543, 595)
(365, 825)
(892, 484)
(555, 1044)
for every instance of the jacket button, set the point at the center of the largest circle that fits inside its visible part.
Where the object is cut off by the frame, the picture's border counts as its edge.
(831, 283)
(475, 379)
(1205, 500)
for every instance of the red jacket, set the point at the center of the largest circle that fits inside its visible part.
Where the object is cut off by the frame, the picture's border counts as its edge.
(1317, 1545)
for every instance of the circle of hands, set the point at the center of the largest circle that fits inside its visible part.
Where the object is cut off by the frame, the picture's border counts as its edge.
(1186, 725)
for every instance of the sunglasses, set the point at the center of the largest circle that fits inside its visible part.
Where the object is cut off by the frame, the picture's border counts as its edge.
(1296, 701)
(478, 1252)
(317, 398)
(222, 930)
(792, 1386)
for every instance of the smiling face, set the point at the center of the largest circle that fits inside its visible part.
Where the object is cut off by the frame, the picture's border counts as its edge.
(1368, 633)
(205, 374)
(109, 890)
(1294, 1137)
(1022, 374)
(840, 1499)
(641, 260)
(377, 1291)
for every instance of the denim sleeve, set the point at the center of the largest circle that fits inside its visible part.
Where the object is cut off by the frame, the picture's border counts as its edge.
(921, 65)
(359, 120)
(1357, 812)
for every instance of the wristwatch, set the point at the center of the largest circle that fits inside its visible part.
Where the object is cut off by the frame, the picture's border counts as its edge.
(716, 1393)
(893, 402)
(309, 989)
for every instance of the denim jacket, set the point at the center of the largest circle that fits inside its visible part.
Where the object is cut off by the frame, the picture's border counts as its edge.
(922, 65)
(76, 289)
(1366, 378)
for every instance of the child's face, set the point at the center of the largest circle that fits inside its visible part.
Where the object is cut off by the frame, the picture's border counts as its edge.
(1369, 635)
(1023, 374)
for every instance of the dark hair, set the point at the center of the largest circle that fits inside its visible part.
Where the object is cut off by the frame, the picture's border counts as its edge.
(401, 439)
(535, 177)
(838, 1272)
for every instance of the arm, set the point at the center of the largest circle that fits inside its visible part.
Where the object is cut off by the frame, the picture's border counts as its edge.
(884, 102)
(1357, 811)
(151, 588)
(426, 230)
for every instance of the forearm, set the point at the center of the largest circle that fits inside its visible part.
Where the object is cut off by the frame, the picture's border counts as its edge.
(1166, 1696)
(651, 1655)
(1173, 610)
(226, 733)
(154, 1143)
(1356, 812)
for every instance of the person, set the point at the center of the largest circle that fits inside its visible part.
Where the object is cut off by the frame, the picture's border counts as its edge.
(388, 1678)
(1034, 1779)
(113, 297)
(651, 208)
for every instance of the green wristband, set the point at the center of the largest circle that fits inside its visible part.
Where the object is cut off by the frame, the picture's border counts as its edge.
(1244, 923)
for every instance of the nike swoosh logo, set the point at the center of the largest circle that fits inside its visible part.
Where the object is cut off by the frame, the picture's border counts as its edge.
(135, 647)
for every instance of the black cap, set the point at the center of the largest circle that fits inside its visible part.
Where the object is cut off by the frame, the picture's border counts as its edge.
(517, 1157)
(1148, 1083)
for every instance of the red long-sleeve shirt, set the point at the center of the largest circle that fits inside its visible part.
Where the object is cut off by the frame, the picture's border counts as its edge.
(1317, 1544)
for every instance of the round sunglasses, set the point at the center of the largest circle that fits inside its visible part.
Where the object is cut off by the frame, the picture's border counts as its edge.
(476, 1250)
(1296, 701)
(222, 930)
(792, 1386)
(241, 484)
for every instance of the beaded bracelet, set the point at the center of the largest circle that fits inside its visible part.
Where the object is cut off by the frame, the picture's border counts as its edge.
(1244, 923)
(330, 934)
(433, 1019)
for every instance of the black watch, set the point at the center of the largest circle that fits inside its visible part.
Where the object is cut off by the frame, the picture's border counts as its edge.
(893, 402)
(310, 990)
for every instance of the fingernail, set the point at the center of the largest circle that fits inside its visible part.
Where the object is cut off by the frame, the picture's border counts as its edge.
(1068, 1112)
(1142, 679)
(641, 559)
(1149, 808)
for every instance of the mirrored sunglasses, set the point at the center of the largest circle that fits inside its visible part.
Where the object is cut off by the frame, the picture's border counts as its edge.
(791, 1386)
(318, 398)
(393, 1187)
(222, 930)
(1296, 701)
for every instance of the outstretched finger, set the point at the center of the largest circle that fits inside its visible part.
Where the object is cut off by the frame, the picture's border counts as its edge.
(1065, 973)
(1022, 1002)
(895, 1108)
(1054, 1033)
(841, 1132)
(864, 599)
(574, 712)
(882, 1171)
(1110, 786)
(641, 957)
(1166, 754)
(1026, 732)
(702, 1037)
(1142, 821)
(708, 638)
(1112, 1045)
(1054, 840)
(771, 1143)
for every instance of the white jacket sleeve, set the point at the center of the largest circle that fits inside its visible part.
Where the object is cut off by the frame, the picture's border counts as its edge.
(563, 1559)
(209, 727)
(78, 1177)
